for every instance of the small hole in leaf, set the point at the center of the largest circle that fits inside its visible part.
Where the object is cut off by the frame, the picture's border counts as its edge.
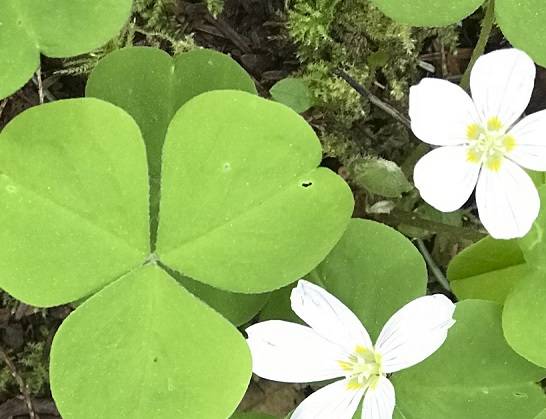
(520, 395)
(227, 166)
(306, 184)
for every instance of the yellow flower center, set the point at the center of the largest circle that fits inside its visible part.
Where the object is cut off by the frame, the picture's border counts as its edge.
(489, 144)
(362, 368)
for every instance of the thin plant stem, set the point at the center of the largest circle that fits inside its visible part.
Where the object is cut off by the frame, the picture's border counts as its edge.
(436, 271)
(487, 26)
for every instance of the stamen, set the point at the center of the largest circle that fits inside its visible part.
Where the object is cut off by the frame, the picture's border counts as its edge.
(494, 124)
(362, 368)
(488, 145)
(473, 131)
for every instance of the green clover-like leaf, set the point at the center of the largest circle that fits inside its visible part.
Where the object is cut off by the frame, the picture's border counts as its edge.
(151, 86)
(74, 189)
(474, 375)
(146, 348)
(73, 197)
(56, 28)
(251, 196)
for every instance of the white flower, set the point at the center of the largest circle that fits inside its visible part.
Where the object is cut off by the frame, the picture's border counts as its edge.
(481, 142)
(337, 345)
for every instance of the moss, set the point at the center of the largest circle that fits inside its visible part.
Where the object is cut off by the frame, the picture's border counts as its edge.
(31, 363)
(381, 54)
(215, 6)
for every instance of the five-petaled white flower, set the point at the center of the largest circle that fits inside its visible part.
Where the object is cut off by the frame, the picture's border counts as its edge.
(482, 142)
(337, 345)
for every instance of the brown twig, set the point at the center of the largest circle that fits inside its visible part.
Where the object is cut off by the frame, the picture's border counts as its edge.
(16, 407)
(43, 92)
(3, 104)
(40, 86)
(373, 98)
(22, 386)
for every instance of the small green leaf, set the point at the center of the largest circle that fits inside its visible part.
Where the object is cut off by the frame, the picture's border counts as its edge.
(278, 306)
(427, 13)
(381, 177)
(488, 270)
(522, 23)
(73, 200)
(144, 348)
(524, 318)
(293, 93)
(250, 194)
(237, 308)
(362, 272)
(474, 375)
(57, 28)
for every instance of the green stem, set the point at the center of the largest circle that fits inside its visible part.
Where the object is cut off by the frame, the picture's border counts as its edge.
(434, 268)
(487, 26)
(397, 217)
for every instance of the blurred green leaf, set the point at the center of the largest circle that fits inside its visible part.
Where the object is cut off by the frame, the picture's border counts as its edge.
(56, 28)
(524, 317)
(362, 272)
(293, 93)
(381, 177)
(427, 13)
(237, 308)
(522, 23)
(474, 375)
(488, 270)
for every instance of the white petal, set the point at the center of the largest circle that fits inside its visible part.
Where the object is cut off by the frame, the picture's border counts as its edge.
(415, 332)
(508, 201)
(501, 83)
(292, 353)
(329, 317)
(379, 403)
(335, 401)
(445, 178)
(441, 112)
(530, 142)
